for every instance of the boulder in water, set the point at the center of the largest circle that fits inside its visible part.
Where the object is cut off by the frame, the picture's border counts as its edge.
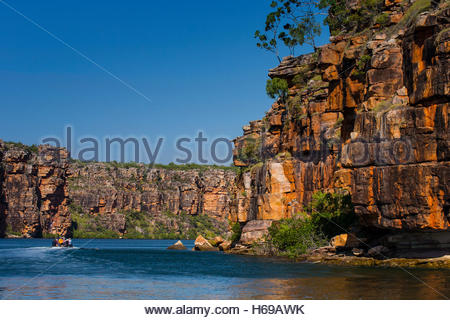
(201, 244)
(177, 246)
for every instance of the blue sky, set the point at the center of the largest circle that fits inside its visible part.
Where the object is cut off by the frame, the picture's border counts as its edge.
(196, 60)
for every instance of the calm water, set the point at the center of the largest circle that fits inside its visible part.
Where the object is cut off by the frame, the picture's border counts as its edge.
(144, 269)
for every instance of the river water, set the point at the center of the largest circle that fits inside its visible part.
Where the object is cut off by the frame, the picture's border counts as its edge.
(144, 269)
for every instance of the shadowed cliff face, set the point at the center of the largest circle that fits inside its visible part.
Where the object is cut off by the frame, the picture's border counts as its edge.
(367, 114)
(33, 197)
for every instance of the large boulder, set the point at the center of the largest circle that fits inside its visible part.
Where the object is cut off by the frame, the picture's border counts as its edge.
(345, 240)
(201, 244)
(225, 245)
(255, 230)
(177, 246)
(216, 241)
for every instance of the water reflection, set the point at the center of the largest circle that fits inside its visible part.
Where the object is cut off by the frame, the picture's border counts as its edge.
(386, 284)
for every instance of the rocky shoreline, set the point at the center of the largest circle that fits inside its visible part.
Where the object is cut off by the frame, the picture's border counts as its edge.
(442, 262)
(329, 255)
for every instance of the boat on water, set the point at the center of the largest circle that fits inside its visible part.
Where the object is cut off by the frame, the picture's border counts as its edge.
(62, 243)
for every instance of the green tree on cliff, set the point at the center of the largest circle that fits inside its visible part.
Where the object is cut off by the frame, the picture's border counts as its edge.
(297, 22)
(293, 23)
(277, 88)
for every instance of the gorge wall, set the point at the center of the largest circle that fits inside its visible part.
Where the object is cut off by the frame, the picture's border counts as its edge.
(33, 192)
(366, 114)
(111, 191)
(42, 191)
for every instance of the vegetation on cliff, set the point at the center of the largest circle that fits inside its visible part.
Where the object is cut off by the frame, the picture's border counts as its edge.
(87, 226)
(236, 231)
(170, 166)
(141, 225)
(277, 88)
(293, 23)
(297, 22)
(327, 215)
(31, 149)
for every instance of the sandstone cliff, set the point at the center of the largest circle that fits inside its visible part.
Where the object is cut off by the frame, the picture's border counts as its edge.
(41, 192)
(109, 191)
(33, 193)
(366, 114)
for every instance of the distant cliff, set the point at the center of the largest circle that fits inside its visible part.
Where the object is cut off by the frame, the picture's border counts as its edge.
(366, 114)
(43, 193)
(158, 196)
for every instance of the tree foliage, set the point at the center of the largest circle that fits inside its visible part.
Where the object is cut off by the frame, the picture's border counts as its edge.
(277, 88)
(327, 215)
(295, 236)
(296, 22)
(331, 213)
(292, 22)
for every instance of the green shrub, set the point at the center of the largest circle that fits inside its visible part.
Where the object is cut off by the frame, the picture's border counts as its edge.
(171, 166)
(125, 165)
(295, 236)
(142, 225)
(277, 88)
(9, 231)
(362, 65)
(236, 232)
(382, 19)
(331, 213)
(413, 11)
(250, 152)
(299, 79)
(327, 215)
(86, 226)
(340, 18)
(31, 149)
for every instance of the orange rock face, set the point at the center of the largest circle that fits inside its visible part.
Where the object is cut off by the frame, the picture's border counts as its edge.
(377, 128)
(34, 191)
(108, 192)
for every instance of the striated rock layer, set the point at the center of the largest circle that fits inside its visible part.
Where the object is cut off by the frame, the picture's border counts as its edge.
(109, 191)
(40, 189)
(33, 193)
(368, 114)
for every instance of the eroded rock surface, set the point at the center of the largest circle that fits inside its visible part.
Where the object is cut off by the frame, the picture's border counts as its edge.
(40, 188)
(109, 192)
(34, 196)
(367, 114)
